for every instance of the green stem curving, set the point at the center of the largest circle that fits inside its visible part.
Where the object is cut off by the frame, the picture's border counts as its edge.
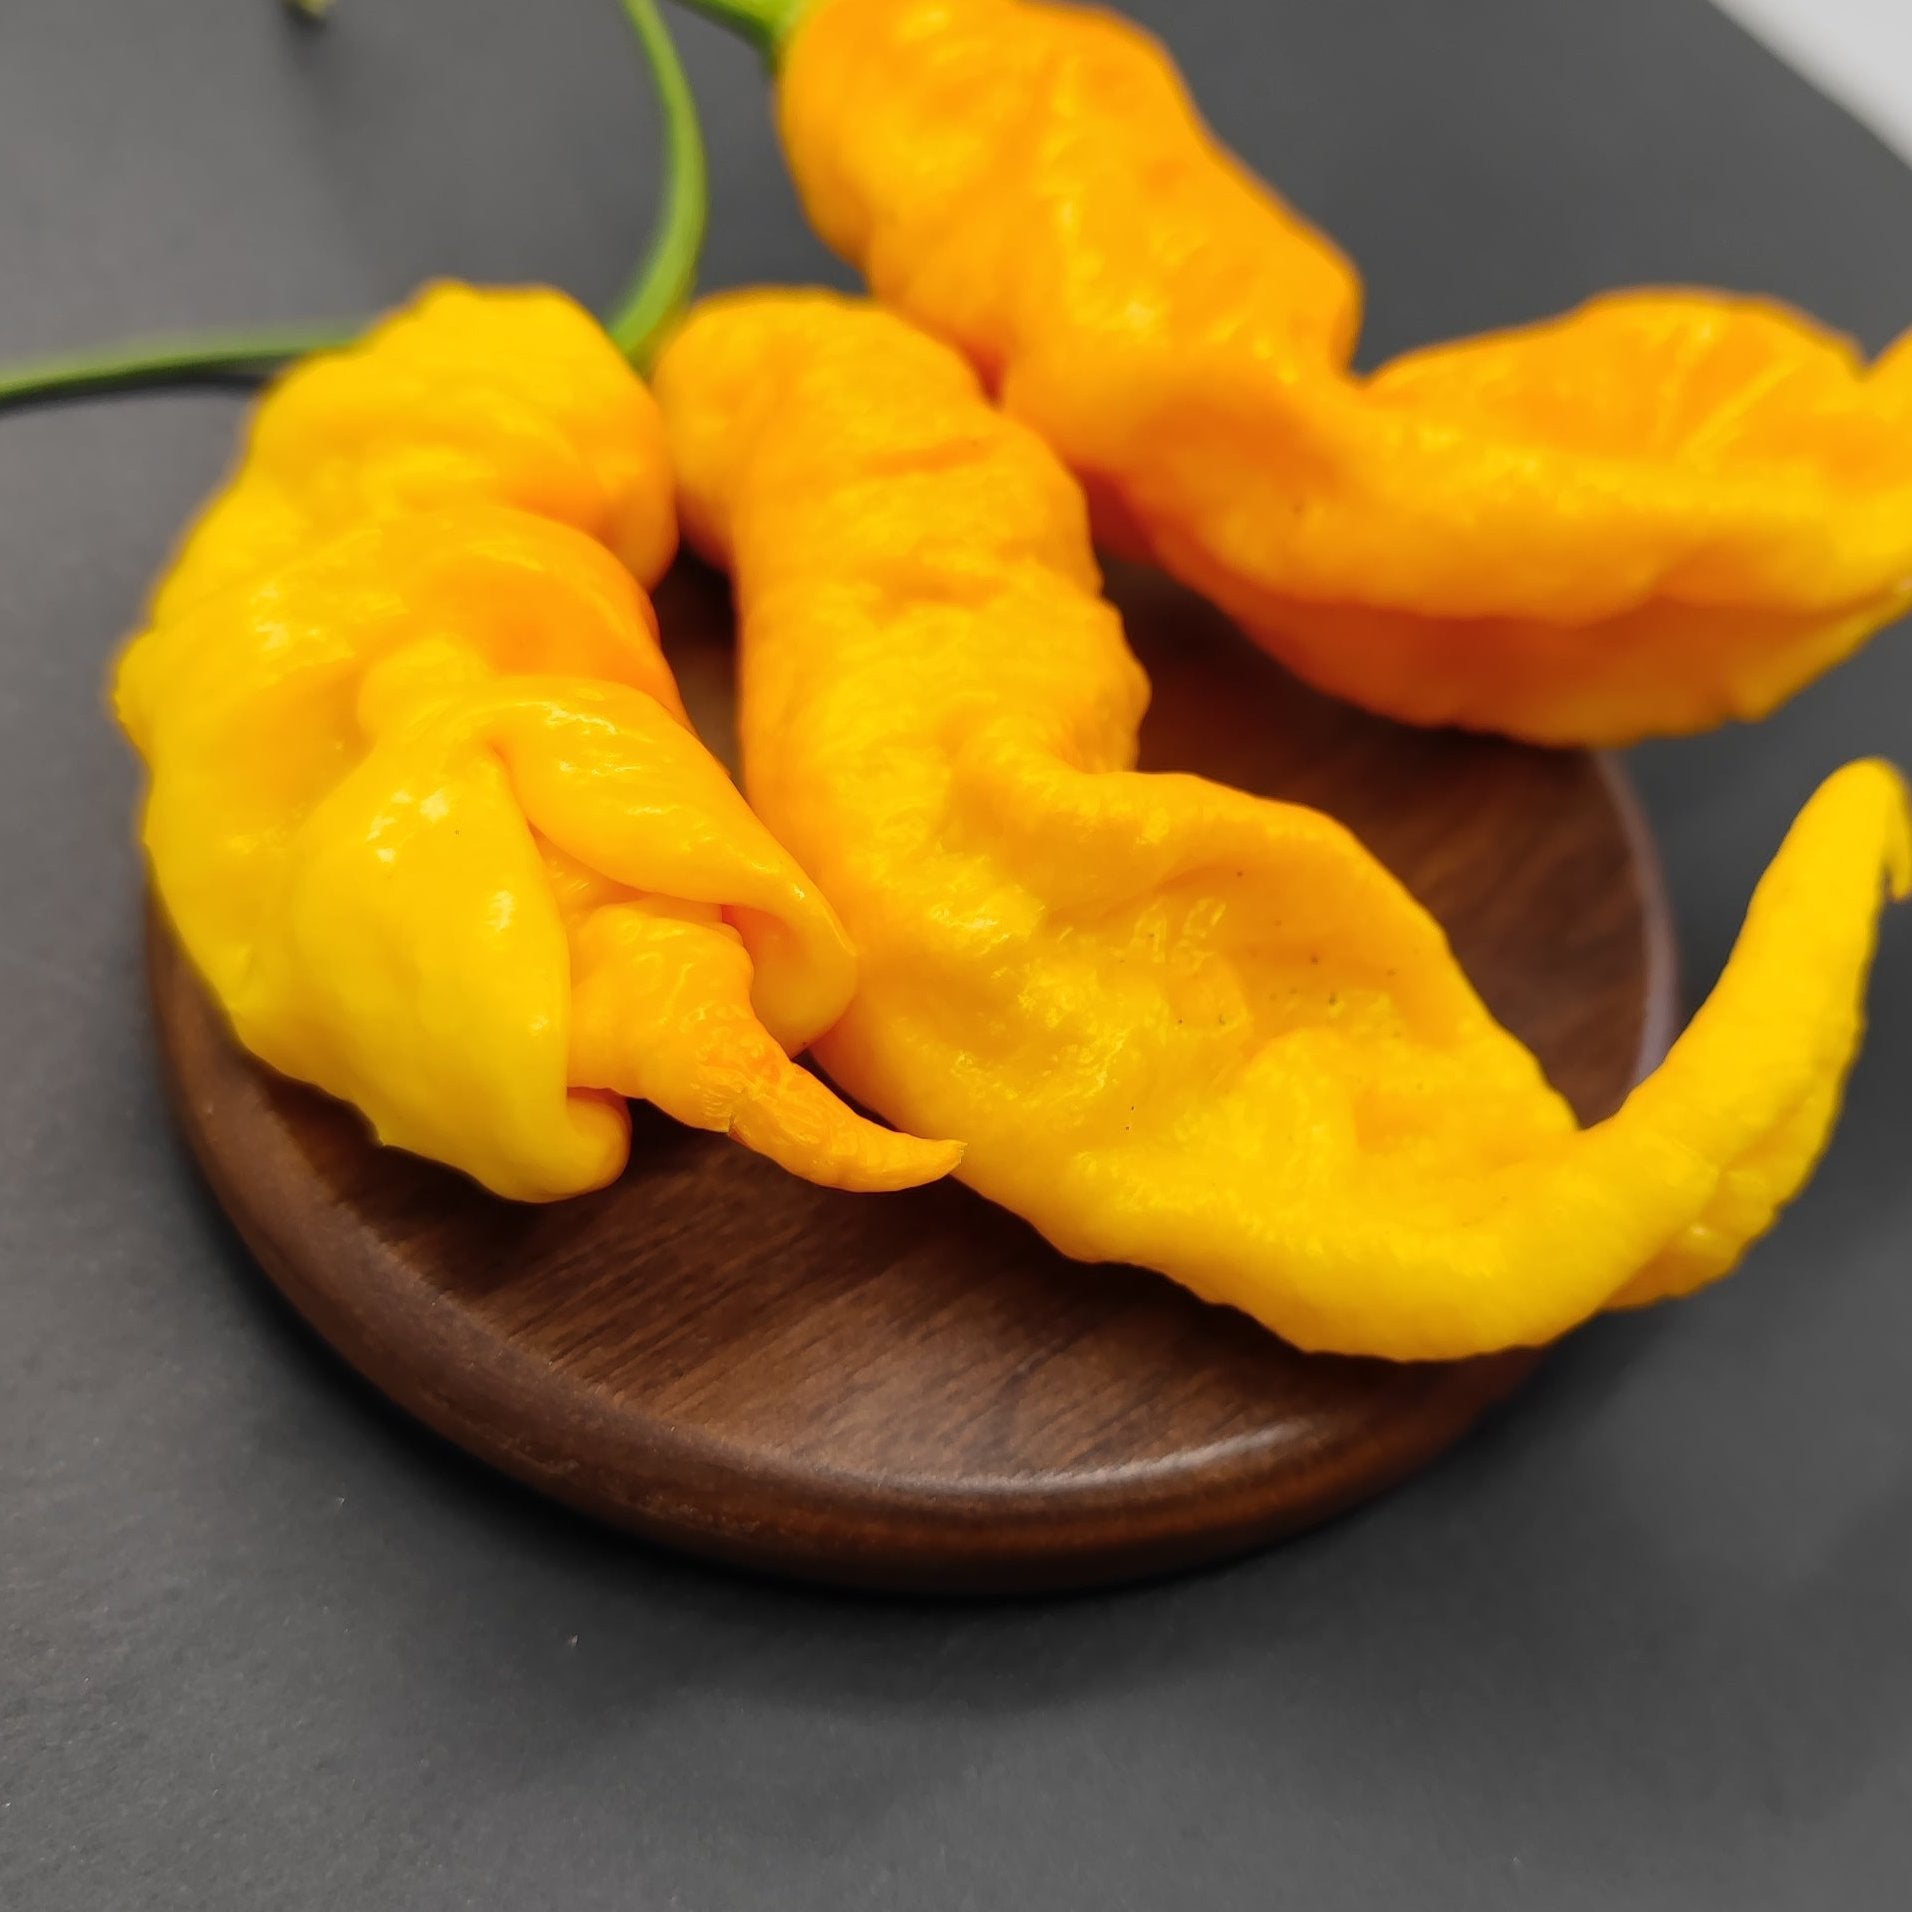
(667, 274)
(766, 24)
(202, 358)
(656, 295)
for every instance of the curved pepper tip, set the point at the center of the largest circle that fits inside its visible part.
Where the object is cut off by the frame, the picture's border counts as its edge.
(662, 1011)
(1756, 1094)
(1868, 804)
(1898, 852)
(800, 1125)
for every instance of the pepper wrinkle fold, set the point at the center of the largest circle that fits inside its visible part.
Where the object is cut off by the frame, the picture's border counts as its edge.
(1656, 513)
(1173, 1024)
(424, 807)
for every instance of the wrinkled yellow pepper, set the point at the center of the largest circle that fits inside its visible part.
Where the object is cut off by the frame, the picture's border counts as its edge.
(424, 807)
(501, 396)
(1656, 513)
(1174, 1024)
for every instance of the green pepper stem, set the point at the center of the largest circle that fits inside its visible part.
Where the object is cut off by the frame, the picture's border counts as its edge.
(656, 295)
(766, 24)
(667, 274)
(203, 358)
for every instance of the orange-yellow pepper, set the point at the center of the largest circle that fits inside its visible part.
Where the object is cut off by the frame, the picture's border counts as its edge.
(1174, 1024)
(424, 807)
(1656, 513)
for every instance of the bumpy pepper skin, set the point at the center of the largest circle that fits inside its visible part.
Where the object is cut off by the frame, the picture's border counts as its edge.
(1174, 1024)
(501, 396)
(424, 807)
(1659, 512)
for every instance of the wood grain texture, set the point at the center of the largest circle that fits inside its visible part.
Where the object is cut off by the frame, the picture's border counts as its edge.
(913, 1391)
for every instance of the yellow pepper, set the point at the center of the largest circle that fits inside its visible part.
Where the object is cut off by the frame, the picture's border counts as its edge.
(503, 396)
(424, 807)
(1174, 1024)
(1656, 513)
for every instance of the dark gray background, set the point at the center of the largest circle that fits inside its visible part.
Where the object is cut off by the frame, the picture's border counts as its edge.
(1643, 1643)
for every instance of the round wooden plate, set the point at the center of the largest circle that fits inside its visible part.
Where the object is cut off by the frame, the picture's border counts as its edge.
(914, 1391)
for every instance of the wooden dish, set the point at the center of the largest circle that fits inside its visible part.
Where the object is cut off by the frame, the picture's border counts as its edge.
(913, 1391)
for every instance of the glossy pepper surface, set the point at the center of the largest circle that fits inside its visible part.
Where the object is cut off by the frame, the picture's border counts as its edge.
(1661, 511)
(424, 807)
(1174, 1024)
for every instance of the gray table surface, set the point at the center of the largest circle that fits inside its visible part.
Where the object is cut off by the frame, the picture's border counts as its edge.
(1643, 1643)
